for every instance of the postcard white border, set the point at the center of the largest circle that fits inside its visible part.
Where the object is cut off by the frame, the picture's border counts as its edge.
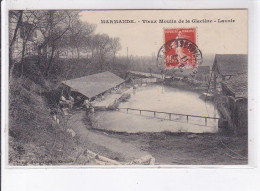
(98, 178)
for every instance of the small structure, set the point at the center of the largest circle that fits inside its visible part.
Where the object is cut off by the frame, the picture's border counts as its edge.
(230, 78)
(93, 85)
(203, 73)
(227, 65)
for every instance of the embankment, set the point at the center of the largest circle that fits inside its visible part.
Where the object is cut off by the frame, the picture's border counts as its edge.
(187, 84)
(34, 137)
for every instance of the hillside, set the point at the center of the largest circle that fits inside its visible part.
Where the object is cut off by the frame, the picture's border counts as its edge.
(34, 137)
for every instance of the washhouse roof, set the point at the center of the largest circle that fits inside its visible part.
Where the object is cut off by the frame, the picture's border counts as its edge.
(93, 85)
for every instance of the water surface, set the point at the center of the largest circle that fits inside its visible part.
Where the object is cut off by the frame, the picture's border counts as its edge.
(165, 99)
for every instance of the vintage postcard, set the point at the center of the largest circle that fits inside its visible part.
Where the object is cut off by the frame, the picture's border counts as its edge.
(128, 87)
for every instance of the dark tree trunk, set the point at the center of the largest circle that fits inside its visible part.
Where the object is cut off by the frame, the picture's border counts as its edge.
(50, 62)
(78, 53)
(11, 63)
(22, 59)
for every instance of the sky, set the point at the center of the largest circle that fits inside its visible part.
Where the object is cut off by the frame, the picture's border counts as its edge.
(145, 39)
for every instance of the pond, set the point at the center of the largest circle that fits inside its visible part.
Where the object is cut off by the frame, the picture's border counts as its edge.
(162, 99)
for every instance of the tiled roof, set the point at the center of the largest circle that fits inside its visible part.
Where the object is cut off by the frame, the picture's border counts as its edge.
(231, 64)
(237, 85)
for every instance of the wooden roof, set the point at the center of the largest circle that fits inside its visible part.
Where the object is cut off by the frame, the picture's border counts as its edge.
(230, 64)
(93, 85)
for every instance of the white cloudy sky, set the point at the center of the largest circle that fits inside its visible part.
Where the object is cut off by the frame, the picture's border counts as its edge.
(146, 39)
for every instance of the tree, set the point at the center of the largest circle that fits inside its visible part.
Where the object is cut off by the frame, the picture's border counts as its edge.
(91, 44)
(103, 49)
(28, 27)
(23, 24)
(48, 33)
(79, 34)
(53, 26)
(115, 47)
(15, 20)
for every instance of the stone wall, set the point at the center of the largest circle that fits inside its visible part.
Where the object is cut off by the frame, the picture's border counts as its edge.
(234, 112)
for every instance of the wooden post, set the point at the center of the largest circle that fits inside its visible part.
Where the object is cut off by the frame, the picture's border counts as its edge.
(205, 121)
(154, 114)
(127, 110)
(170, 116)
(187, 118)
(140, 112)
(215, 80)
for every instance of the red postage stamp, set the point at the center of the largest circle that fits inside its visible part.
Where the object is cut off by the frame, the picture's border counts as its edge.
(180, 49)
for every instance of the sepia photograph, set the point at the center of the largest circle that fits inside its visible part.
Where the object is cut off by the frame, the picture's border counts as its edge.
(127, 87)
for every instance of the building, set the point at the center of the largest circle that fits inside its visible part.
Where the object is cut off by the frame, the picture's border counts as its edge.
(203, 73)
(237, 91)
(93, 85)
(227, 65)
(230, 77)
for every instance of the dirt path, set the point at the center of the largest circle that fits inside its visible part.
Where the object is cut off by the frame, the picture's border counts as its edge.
(103, 143)
(167, 148)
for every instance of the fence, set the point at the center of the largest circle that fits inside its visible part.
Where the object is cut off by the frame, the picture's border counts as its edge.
(170, 114)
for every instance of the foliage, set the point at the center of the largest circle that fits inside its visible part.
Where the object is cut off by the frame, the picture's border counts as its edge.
(53, 34)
